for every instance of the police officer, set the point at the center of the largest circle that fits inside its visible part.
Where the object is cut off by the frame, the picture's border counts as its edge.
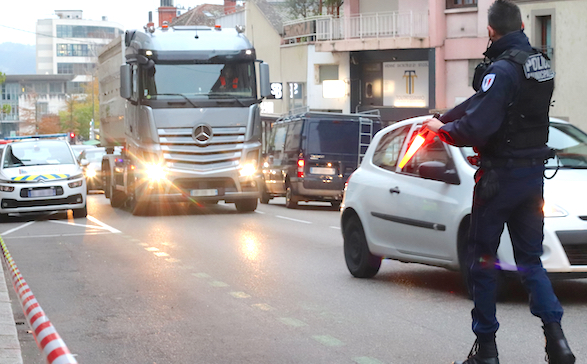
(506, 122)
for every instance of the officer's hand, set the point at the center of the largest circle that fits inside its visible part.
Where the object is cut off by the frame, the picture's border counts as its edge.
(432, 124)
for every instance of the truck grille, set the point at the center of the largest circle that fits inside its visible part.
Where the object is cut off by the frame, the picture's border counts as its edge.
(224, 149)
(575, 245)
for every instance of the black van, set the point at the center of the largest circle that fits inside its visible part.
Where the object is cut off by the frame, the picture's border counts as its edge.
(310, 156)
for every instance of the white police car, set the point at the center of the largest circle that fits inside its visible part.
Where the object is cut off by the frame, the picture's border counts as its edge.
(41, 175)
(420, 213)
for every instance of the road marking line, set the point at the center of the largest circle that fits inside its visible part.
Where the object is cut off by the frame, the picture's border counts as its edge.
(289, 218)
(201, 275)
(260, 212)
(366, 360)
(173, 260)
(18, 228)
(57, 235)
(239, 294)
(263, 307)
(110, 228)
(335, 227)
(80, 225)
(152, 249)
(161, 254)
(218, 284)
(327, 340)
(292, 322)
(143, 244)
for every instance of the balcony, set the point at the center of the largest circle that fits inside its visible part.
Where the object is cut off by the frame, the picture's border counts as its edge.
(360, 32)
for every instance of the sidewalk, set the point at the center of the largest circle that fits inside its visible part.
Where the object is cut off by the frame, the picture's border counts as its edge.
(9, 345)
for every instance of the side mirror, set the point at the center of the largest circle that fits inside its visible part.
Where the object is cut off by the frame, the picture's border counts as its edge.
(125, 81)
(265, 86)
(438, 171)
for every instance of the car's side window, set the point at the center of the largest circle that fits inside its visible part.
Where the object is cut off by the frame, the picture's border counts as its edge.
(387, 152)
(435, 151)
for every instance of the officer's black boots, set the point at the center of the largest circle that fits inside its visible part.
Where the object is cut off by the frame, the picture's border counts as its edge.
(557, 347)
(482, 353)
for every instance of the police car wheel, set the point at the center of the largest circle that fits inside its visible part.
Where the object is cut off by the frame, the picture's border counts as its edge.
(79, 213)
(359, 260)
(3, 217)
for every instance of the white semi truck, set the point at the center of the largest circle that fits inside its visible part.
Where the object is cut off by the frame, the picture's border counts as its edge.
(183, 102)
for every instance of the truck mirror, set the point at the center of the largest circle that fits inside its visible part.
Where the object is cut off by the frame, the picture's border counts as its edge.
(264, 79)
(125, 81)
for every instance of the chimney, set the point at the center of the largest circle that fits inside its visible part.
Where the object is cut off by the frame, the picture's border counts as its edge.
(229, 6)
(167, 12)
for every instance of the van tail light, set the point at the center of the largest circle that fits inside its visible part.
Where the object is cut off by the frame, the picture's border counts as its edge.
(301, 168)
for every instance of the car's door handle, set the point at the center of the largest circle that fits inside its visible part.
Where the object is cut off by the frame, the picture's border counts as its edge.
(394, 190)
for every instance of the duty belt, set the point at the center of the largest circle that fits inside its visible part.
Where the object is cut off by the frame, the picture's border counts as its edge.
(511, 162)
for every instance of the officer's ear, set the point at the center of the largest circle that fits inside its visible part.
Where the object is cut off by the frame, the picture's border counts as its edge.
(491, 33)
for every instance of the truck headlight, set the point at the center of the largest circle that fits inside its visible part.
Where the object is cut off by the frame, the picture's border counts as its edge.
(155, 172)
(248, 169)
(552, 210)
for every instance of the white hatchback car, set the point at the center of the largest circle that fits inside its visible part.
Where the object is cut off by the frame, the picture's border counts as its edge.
(41, 175)
(420, 213)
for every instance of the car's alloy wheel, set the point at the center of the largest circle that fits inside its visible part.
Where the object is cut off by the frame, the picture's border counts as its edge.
(359, 260)
(291, 201)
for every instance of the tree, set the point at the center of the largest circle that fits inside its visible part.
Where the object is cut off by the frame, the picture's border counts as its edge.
(29, 115)
(69, 117)
(2, 78)
(5, 109)
(49, 124)
(333, 7)
(80, 110)
(303, 8)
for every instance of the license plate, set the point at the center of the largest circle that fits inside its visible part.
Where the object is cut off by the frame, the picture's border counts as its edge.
(322, 170)
(42, 193)
(208, 192)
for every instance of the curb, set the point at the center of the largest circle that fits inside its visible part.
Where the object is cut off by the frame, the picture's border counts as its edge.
(9, 345)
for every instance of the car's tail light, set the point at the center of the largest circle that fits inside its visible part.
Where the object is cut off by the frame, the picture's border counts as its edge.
(301, 164)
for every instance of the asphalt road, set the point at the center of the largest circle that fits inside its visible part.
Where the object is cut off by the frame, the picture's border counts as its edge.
(210, 285)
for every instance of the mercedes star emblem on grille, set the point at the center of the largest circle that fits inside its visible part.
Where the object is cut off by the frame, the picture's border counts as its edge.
(202, 133)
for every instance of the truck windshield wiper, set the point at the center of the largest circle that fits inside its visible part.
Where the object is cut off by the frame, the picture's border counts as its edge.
(182, 95)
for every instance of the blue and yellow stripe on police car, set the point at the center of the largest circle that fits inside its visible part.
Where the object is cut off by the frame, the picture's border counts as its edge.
(36, 177)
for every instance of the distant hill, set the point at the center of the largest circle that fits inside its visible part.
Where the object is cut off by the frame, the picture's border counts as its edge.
(17, 59)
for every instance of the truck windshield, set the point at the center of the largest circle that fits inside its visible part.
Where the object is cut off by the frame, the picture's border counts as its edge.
(230, 80)
(333, 137)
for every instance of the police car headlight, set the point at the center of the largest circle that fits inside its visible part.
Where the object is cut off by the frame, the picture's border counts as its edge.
(76, 184)
(553, 210)
(6, 188)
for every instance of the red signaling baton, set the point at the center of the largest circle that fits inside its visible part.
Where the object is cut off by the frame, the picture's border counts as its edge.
(424, 137)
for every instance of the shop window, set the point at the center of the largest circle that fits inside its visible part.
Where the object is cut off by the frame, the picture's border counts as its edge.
(327, 72)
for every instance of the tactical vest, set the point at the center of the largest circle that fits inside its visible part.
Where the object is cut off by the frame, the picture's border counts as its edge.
(526, 123)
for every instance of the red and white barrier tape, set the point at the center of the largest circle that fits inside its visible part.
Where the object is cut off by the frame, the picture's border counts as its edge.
(44, 333)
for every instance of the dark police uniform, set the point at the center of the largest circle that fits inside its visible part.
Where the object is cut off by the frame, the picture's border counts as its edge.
(507, 123)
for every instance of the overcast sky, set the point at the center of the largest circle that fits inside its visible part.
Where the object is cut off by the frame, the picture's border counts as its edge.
(18, 18)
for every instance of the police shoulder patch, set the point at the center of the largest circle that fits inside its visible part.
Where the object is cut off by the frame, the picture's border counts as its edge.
(487, 82)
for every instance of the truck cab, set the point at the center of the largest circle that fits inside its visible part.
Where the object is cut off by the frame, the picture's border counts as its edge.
(192, 125)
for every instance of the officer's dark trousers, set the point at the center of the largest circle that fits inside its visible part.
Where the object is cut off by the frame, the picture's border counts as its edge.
(518, 204)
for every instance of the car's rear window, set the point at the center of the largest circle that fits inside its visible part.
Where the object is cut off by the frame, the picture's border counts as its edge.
(44, 152)
(333, 137)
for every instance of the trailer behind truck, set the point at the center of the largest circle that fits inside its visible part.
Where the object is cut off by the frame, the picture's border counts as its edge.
(183, 103)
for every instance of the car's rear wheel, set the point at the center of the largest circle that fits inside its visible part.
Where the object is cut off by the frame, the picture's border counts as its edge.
(291, 200)
(359, 260)
(79, 213)
(248, 205)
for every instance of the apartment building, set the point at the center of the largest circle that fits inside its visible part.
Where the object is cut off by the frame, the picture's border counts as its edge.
(70, 44)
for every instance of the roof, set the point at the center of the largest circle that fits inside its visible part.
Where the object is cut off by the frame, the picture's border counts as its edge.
(204, 14)
(272, 12)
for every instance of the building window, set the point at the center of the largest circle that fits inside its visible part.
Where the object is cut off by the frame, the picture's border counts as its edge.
(75, 87)
(81, 31)
(327, 72)
(296, 95)
(75, 68)
(76, 50)
(451, 4)
(42, 108)
(56, 87)
(544, 24)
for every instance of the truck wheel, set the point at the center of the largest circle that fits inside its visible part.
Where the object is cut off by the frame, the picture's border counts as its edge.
(291, 201)
(264, 199)
(78, 213)
(359, 260)
(116, 197)
(106, 179)
(248, 205)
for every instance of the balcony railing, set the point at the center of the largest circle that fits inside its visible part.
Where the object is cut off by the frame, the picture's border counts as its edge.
(371, 25)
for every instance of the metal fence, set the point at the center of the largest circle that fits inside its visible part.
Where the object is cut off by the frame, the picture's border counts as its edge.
(361, 26)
